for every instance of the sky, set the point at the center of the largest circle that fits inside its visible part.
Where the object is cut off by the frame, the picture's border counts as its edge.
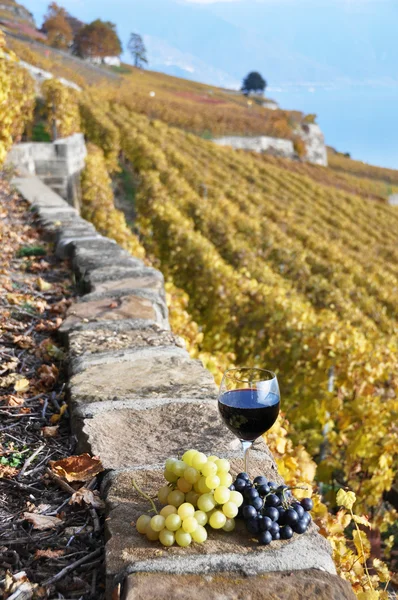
(337, 58)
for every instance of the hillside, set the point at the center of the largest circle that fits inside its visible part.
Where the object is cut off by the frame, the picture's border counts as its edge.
(284, 264)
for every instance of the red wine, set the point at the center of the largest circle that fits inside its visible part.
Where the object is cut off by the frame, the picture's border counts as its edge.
(247, 414)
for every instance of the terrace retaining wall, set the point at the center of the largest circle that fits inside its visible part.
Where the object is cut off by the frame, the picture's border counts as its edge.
(136, 397)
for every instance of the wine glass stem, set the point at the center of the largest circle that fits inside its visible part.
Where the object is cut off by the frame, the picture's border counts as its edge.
(246, 447)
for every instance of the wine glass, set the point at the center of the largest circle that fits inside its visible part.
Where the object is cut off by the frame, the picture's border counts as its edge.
(249, 401)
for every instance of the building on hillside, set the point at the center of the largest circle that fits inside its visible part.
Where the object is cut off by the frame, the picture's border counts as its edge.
(270, 104)
(393, 200)
(110, 61)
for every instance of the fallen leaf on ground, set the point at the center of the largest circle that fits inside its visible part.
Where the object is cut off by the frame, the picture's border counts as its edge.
(48, 375)
(113, 305)
(23, 341)
(91, 498)
(42, 522)
(7, 472)
(8, 380)
(43, 286)
(50, 431)
(49, 553)
(77, 468)
(14, 401)
(57, 417)
(22, 385)
(11, 365)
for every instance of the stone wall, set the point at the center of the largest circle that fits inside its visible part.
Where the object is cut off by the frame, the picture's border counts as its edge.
(262, 143)
(314, 140)
(135, 398)
(58, 164)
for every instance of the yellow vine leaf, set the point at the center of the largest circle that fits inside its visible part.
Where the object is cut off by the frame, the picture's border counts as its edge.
(22, 385)
(346, 499)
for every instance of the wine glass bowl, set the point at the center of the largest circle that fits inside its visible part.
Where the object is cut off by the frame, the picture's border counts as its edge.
(249, 402)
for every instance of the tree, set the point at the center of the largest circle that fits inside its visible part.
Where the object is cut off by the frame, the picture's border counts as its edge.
(56, 26)
(137, 49)
(98, 39)
(253, 82)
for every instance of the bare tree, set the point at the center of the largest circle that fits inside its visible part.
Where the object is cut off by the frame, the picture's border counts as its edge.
(137, 49)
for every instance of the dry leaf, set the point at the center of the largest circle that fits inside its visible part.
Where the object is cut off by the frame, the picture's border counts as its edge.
(48, 432)
(113, 305)
(23, 341)
(43, 286)
(42, 522)
(77, 468)
(48, 375)
(7, 472)
(22, 385)
(14, 401)
(11, 365)
(56, 418)
(89, 497)
(49, 553)
(10, 379)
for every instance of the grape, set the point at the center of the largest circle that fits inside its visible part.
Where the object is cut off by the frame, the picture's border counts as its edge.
(223, 465)
(206, 502)
(300, 526)
(231, 487)
(166, 537)
(142, 523)
(187, 457)
(257, 503)
(157, 523)
(170, 477)
(212, 458)
(199, 535)
(196, 487)
(229, 525)
(272, 513)
(243, 476)
(151, 534)
(176, 498)
(307, 504)
(282, 512)
(169, 464)
(199, 460)
(202, 485)
(179, 467)
(265, 524)
(163, 494)
(260, 480)
(291, 517)
(265, 538)
(189, 524)
(192, 498)
(236, 498)
(186, 510)
(201, 517)
(173, 522)
(272, 485)
(212, 482)
(168, 510)
(191, 475)
(276, 536)
(274, 529)
(210, 468)
(307, 518)
(263, 490)
(250, 494)
(217, 520)
(183, 485)
(249, 512)
(252, 526)
(240, 485)
(286, 532)
(225, 479)
(183, 538)
(299, 509)
(230, 510)
(222, 495)
(272, 500)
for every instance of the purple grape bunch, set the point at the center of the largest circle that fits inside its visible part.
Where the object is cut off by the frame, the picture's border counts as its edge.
(269, 510)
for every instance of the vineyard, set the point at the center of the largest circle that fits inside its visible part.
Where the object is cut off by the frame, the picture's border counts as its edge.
(273, 263)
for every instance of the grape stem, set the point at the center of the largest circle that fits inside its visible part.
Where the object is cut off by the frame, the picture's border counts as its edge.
(144, 495)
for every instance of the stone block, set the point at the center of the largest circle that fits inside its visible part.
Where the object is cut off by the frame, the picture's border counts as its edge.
(105, 340)
(158, 371)
(111, 275)
(65, 247)
(140, 281)
(86, 260)
(37, 193)
(309, 584)
(134, 306)
(143, 432)
(237, 552)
